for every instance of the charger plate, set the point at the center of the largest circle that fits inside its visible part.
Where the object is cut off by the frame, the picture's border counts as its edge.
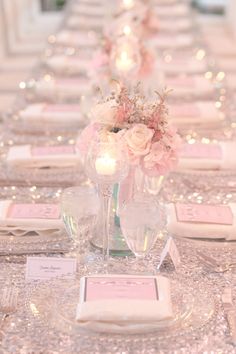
(55, 304)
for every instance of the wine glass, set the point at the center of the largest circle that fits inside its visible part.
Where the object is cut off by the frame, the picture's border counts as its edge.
(142, 221)
(125, 59)
(79, 210)
(106, 164)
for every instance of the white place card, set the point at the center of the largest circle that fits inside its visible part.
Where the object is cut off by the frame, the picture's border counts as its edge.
(43, 268)
(171, 250)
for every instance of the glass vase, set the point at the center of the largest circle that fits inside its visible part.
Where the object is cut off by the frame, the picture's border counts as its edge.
(133, 186)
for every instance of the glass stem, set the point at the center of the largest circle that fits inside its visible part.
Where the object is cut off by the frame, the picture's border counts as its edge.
(106, 197)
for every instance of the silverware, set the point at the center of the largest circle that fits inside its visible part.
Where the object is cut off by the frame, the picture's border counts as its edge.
(8, 303)
(214, 265)
(230, 313)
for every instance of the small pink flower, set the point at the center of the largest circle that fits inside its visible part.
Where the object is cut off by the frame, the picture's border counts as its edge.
(147, 64)
(159, 161)
(138, 140)
(89, 134)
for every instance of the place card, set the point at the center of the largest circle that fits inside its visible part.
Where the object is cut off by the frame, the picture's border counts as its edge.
(189, 110)
(206, 214)
(52, 150)
(34, 211)
(202, 151)
(172, 251)
(9, 298)
(113, 287)
(185, 81)
(43, 268)
(70, 82)
(52, 108)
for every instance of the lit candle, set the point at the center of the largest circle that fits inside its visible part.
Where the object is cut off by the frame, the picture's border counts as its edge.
(105, 165)
(128, 4)
(127, 30)
(124, 62)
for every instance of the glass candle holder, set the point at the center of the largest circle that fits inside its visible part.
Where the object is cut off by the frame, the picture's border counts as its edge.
(106, 164)
(125, 59)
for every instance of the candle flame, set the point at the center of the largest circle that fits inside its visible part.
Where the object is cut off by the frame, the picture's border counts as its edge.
(128, 4)
(124, 55)
(127, 30)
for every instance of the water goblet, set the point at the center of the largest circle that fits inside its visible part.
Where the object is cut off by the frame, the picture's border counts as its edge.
(142, 221)
(106, 164)
(79, 210)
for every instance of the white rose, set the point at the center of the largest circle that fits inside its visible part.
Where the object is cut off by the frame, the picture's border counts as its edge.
(105, 112)
(138, 139)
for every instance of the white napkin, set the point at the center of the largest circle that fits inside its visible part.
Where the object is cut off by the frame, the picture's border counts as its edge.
(164, 2)
(63, 88)
(202, 113)
(81, 21)
(194, 85)
(68, 64)
(117, 314)
(89, 10)
(227, 64)
(26, 156)
(77, 38)
(181, 24)
(20, 226)
(51, 113)
(231, 81)
(211, 162)
(187, 65)
(198, 229)
(172, 10)
(223, 46)
(168, 41)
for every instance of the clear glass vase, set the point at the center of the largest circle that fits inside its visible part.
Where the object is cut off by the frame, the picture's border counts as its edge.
(134, 186)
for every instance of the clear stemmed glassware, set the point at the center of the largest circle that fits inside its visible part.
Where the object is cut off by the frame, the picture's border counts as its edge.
(125, 59)
(106, 164)
(79, 209)
(142, 221)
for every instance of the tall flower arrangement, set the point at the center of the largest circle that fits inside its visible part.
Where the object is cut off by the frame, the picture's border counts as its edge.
(142, 126)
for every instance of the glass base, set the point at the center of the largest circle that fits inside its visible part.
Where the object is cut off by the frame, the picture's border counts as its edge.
(117, 243)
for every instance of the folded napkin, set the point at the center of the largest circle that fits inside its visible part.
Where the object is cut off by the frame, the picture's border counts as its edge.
(51, 113)
(80, 21)
(202, 221)
(172, 10)
(181, 24)
(202, 113)
(227, 64)
(168, 41)
(223, 46)
(77, 38)
(194, 85)
(92, 2)
(187, 65)
(164, 2)
(20, 219)
(124, 302)
(68, 64)
(62, 88)
(27, 156)
(231, 81)
(89, 10)
(200, 156)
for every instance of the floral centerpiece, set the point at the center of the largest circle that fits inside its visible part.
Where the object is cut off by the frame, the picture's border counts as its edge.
(143, 131)
(124, 56)
(141, 18)
(142, 126)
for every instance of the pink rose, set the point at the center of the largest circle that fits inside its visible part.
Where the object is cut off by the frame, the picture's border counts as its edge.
(88, 135)
(105, 113)
(138, 140)
(159, 161)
